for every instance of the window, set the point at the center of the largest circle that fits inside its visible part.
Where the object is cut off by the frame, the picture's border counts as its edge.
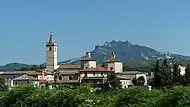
(60, 78)
(50, 48)
(101, 73)
(94, 73)
(85, 74)
(111, 68)
(70, 77)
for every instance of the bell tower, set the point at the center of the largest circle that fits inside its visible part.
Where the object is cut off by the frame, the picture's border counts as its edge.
(51, 55)
(114, 64)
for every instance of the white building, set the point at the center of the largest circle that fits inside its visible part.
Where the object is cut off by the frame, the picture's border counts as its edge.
(182, 69)
(127, 77)
(114, 64)
(88, 62)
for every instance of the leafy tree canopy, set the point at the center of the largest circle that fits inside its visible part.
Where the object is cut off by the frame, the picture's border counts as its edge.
(3, 87)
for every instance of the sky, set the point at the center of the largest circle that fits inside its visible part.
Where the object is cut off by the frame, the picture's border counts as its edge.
(79, 25)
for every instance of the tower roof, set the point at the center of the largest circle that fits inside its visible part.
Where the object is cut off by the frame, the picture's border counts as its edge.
(51, 40)
(88, 57)
(113, 58)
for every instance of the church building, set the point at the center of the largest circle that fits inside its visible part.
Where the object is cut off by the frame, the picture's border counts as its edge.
(88, 71)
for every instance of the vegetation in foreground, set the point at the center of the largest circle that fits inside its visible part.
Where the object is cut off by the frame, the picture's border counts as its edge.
(27, 96)
(167, 92)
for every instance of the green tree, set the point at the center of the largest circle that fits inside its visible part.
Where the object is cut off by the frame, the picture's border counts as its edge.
(162, 76)
(186, 78)
(177, 79)
(175, 97)
(156, 82)
(167, 75)
(3, 87)
(139, 81)
(113, 81)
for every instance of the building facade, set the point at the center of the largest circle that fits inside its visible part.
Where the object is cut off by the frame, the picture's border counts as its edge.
(86, 72)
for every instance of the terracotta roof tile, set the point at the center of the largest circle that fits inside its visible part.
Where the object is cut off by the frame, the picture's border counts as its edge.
(69, 66)
(19, 72)
(68, 73)
(25, 77)
(111, 60)
(96, 69)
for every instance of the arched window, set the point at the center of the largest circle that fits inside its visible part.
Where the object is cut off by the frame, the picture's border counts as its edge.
(111, 68)
(70, 77)
(60, 78)
(50, 48)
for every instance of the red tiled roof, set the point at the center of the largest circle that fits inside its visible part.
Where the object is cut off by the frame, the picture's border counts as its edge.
(68, 73)
(69, 66)
(21, 73)
(96, 69)
(112, 60)
(25, 77)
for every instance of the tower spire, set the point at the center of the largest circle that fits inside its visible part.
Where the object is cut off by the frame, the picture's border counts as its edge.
(113, 55)
(51, 40)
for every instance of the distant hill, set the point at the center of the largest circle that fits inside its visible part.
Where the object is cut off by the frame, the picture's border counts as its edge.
(134, 56)
(12, 66)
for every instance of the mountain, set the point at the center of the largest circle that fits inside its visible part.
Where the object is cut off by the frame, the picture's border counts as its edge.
(126, 51)
(12, 66)
(133, 56)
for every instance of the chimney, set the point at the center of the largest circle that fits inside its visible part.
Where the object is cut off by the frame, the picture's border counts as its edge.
(88, 55)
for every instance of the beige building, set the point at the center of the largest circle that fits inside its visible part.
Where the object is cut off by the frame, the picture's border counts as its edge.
(91, 74)
(85, 72)
(114, 64)
(128, 76)
(97, 77)
(13, 78)
(25, 79)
